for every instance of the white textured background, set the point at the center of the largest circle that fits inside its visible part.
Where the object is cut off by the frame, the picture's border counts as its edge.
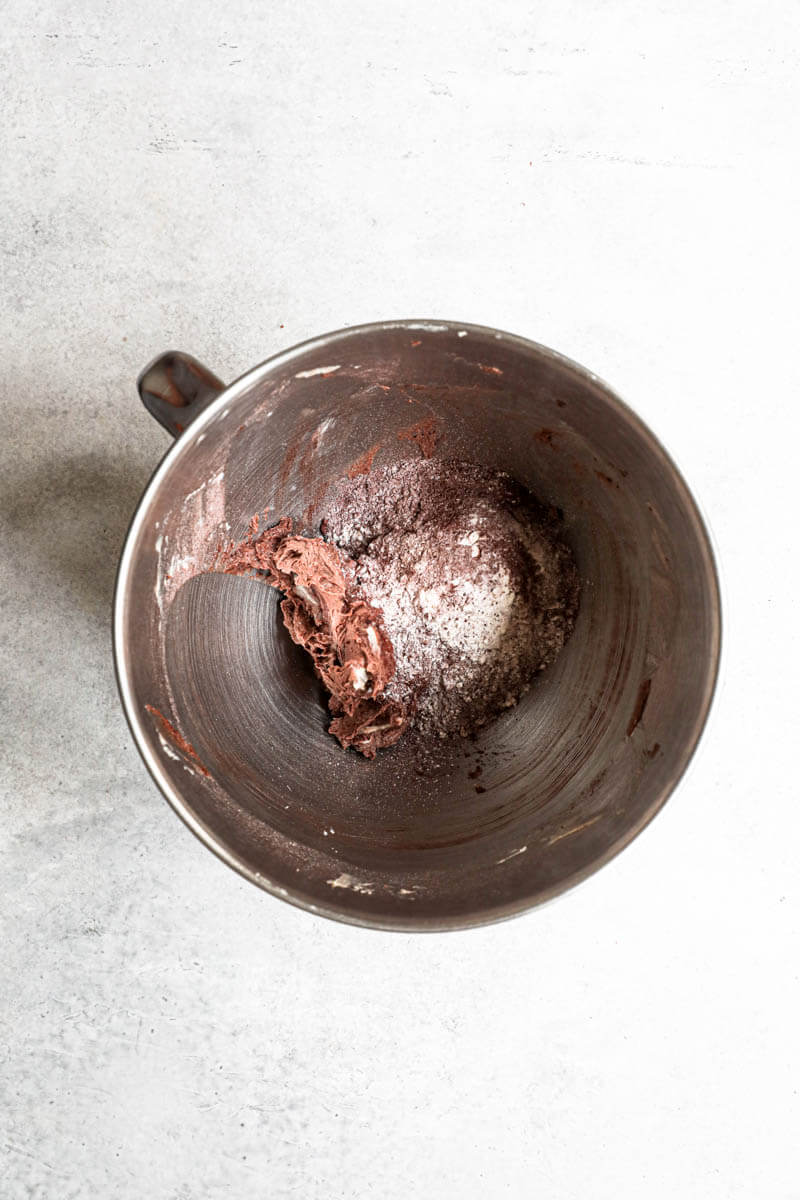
(618, 180)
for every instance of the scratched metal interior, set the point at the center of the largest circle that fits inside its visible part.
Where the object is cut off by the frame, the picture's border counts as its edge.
(464, 831)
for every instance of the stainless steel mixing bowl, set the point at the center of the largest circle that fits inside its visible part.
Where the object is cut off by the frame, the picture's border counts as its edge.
(226, 710)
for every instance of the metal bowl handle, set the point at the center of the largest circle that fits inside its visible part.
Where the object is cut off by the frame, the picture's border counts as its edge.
(175, 388)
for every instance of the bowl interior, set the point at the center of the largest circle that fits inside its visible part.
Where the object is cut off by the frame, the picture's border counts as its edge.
(468, 830)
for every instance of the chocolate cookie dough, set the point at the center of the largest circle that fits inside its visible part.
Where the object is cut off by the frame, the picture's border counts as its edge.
(435, 595)
(343, 634)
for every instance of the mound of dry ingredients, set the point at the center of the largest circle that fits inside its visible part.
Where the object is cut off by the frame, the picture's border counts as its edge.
(455, 572)
(476, 589)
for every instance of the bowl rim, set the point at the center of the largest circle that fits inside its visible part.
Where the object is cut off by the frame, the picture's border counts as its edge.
(295, 896)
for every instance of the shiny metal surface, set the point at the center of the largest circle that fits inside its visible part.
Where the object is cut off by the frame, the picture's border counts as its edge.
(231, 722)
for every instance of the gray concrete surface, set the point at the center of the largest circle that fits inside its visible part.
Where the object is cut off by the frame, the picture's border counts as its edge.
(616, 180)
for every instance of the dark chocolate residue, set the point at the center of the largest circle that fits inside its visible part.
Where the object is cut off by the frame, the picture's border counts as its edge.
(640, 705)
(424, 434)
(363, 465)
(176, 737)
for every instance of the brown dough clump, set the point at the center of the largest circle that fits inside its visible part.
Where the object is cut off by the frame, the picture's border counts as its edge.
(438, 593)
(343, 634)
